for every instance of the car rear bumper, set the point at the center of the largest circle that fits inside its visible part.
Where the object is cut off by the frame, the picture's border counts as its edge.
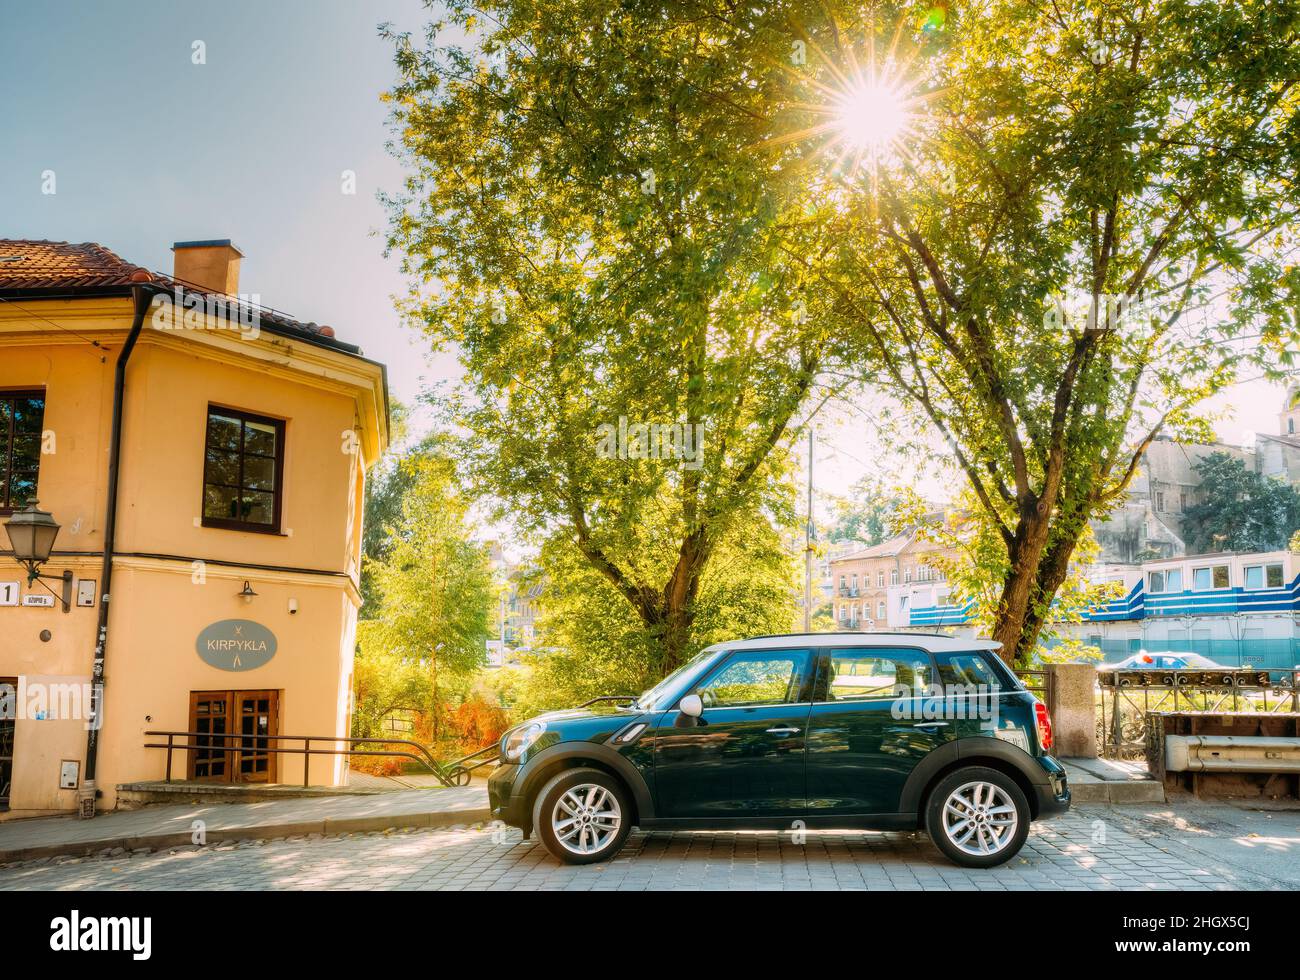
(1053, 795)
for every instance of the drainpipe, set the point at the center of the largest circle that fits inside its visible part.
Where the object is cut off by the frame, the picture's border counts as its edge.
(141, 295)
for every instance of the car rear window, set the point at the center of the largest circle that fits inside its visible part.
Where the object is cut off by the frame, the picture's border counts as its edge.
(974, 669)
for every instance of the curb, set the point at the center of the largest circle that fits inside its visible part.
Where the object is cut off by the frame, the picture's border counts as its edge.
(1134, 791)
(332, 826)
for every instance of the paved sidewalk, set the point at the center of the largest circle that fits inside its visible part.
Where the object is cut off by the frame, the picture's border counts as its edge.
(1092, 848)
(172, 825)
(175, 824)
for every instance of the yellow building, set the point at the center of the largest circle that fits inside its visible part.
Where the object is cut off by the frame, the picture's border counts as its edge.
(234, 560)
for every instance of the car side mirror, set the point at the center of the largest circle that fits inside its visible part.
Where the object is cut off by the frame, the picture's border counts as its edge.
(691, 706)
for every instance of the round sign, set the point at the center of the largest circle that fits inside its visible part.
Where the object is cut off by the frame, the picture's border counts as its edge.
(236, 644)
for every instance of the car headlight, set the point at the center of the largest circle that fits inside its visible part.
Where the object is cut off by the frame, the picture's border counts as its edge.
(518, 741)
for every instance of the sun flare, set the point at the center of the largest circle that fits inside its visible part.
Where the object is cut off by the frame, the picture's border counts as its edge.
(865, 108)
(871, 116)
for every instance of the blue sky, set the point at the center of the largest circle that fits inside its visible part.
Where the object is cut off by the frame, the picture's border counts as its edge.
(149, 148)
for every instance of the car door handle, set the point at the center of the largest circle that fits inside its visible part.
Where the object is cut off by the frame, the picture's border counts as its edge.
(931, 724)
(783, 731)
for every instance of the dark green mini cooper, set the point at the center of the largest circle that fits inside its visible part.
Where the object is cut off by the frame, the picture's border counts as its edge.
(880, 731)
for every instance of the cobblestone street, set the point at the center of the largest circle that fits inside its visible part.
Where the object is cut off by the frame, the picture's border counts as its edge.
(1093, 848)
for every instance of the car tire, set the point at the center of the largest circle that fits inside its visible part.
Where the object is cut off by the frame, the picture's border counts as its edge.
(583, 816)
(978, 817)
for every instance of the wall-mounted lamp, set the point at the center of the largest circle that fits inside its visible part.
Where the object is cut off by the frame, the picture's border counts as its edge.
(247, 593)
(31, 535)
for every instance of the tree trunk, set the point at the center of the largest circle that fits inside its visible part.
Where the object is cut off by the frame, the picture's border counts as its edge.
(1053, 569)
(1031, 585)
(679, 597)
(1018, 588)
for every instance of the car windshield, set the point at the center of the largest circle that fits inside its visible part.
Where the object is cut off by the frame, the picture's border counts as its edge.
(666, 689)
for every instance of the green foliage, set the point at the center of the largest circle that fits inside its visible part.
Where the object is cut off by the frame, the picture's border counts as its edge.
(868, 515)
(974, 563)
(606, 245)
(642, 211)
(1068, 651)
(1239, 510)
(595, 644)
(383, 681)
(1091, 228)
(434, 584)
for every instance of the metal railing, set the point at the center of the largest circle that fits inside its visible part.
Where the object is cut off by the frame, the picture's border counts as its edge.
(1038, 683)
(1127, 697)
(455, 773)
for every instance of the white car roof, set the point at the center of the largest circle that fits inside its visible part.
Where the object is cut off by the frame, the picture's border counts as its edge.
(931, 642)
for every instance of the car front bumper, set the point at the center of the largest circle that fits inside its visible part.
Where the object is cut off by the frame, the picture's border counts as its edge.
(504, 805)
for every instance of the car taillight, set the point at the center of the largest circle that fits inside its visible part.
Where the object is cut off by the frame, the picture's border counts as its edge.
(1044, 722)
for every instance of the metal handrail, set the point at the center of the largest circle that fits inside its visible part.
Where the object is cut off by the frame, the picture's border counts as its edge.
(444, 774)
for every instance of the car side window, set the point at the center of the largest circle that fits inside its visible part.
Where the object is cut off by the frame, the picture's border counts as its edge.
(756, 677)
(876, 675)
(968, 670)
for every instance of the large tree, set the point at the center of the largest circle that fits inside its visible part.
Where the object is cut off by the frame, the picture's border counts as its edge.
(1062, 227)
(1238, 509)
(587, 223)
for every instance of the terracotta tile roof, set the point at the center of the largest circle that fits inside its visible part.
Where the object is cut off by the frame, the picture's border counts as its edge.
(27, 264)
(886, 549)
(29, 267)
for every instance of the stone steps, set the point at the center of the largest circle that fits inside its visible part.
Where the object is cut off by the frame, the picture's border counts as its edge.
(1103, 781)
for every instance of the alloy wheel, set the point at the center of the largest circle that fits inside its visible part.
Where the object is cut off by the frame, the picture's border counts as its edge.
(586, 818)
(980, 818)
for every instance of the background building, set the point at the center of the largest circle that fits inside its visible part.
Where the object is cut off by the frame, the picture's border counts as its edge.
(1237, 609)
(864, 580)
(1149, 522)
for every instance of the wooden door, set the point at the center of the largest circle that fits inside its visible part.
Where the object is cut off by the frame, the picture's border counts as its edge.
(256, 713)
(230, 744)
(210, 720)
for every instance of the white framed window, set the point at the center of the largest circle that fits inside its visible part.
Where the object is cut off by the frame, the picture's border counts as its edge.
(880, 580)
(1165, 580)
(907, 574)
(1263, 576)
(1210, 578)
(893, 576)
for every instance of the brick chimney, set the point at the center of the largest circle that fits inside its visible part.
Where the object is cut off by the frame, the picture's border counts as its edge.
(211, 265)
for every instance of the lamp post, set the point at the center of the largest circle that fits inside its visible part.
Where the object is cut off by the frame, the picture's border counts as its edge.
(31, 535)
